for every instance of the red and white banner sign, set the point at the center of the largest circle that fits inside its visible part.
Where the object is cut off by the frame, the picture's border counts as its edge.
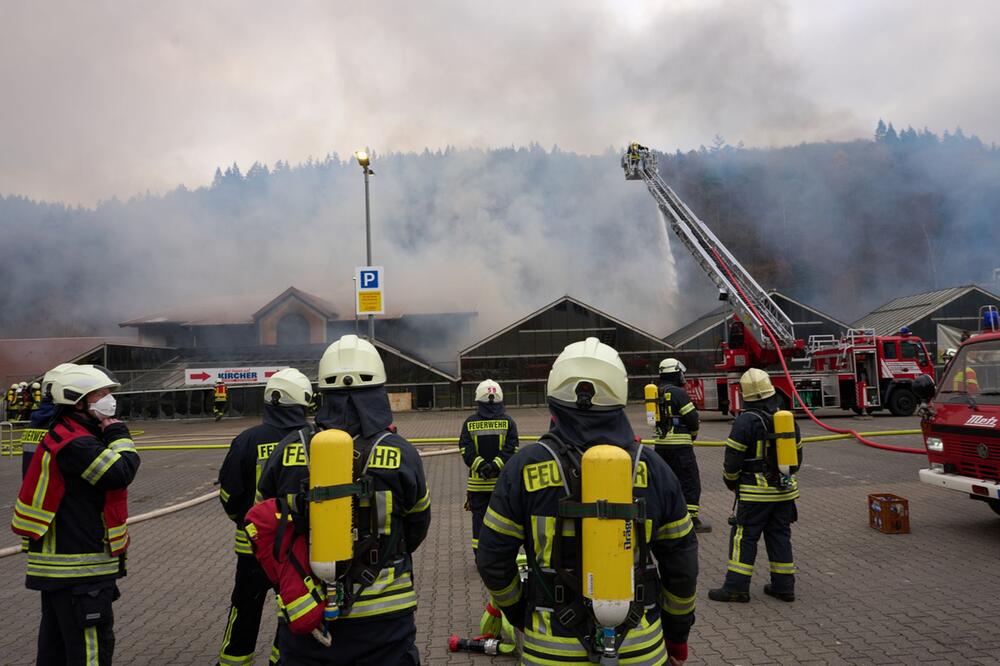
(209, 376)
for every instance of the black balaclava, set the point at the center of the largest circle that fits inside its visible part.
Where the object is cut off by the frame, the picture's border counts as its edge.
(360, 411)
(584, 428)
(489, 410)
(671, 378)
(285, 417)
(767, 405)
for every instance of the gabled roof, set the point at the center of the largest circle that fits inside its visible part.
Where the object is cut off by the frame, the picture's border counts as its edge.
(908, 310)
(566, 299)
(710, 320)
(322, 307)
(413, 359)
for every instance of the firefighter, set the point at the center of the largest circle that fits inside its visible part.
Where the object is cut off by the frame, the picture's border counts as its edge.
(533, 506)
(376, 622)
(21, 400)
(487, 442)
(286, 397)
(10, 403)
(220, 398)
(73, 506)
(675, 435)
(765, 499)
(965, 381)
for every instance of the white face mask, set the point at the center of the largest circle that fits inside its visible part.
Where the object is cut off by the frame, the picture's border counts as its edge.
(105, 407)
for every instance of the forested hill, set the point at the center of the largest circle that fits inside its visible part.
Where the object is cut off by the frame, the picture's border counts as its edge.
(842, 226)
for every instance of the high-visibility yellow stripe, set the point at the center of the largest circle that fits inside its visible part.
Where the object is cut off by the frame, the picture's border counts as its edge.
(91, 656)
(686, 409)
(675, 529)
(674, 604)
(99, 466)
(733, 444)
(503, 525)
(509, 595)
(422, 504)
(783, 567)
(43, 480)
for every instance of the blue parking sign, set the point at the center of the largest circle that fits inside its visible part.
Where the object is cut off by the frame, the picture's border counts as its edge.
(369, 279)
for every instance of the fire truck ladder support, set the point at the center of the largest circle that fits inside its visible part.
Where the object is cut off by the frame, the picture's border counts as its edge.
(753, 304)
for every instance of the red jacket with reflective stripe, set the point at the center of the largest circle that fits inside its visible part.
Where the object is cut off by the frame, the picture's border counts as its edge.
(43, 488)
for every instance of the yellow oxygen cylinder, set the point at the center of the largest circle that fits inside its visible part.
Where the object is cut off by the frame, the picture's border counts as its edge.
(608, 543)
(331, 463)
(652, 394)
(784, 429)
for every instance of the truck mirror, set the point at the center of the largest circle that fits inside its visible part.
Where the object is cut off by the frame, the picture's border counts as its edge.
(923, 387)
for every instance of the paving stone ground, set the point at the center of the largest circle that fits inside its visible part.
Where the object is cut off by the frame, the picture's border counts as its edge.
(929, 597)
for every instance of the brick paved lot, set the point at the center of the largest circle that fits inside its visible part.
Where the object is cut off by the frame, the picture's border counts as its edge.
(930, 597)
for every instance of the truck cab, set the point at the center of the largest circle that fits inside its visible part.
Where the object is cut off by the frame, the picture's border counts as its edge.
(961, 422)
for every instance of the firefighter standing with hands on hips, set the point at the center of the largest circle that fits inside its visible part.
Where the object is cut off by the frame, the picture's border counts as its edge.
(287, 395)
(72, 507)
(373, 590)
(487, 442)
(676, 430)
(762, 475)
(592, 507)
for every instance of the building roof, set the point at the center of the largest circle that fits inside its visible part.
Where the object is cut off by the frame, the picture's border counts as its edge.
(908, 310)
(692, 330)
(322, 306)
(568, 299)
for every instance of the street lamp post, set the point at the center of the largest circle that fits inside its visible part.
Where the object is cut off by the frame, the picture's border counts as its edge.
(363, 160)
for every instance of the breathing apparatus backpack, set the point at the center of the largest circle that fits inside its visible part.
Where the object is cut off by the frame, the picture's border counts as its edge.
(602, 597)
(780, 454)
(278, 529)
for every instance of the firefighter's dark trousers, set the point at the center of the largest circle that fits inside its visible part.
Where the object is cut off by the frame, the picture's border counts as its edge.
(368, 642)
(77, 627)
(683, 462)
(219, 408)
(478, 503)
(249, 592)
(773, 520)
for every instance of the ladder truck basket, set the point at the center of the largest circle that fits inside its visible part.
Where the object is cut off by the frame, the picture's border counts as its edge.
(861, 337)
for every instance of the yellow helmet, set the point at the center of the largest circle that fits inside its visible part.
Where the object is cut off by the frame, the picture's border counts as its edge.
(489, 391)
(755, 384)
(590, 361)
(351, 362)
(71, 385)
(288, 387)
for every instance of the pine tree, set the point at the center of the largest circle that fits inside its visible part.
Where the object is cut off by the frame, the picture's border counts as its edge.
(880, 131)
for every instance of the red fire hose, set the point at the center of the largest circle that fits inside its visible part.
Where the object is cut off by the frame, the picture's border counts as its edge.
(791, 382)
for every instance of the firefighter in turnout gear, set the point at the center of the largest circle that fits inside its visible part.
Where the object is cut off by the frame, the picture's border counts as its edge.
(675, 434)
(10, 403)
(220, 398)
(391, 513)
(765, 498)
(487, 442)
(540, 502)
(286, 397)
(73, 506)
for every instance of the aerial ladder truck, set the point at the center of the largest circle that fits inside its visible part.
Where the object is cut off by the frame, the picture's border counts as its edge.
(860, 371)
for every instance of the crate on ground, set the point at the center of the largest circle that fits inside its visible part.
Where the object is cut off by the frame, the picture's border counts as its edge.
(888, 513)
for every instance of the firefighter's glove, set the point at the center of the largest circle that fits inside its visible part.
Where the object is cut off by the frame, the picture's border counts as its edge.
(678, 653)
(733, 485)
(488, 470)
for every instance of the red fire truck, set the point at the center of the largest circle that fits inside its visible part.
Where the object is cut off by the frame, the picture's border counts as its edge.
(860, 371)
(961, 423)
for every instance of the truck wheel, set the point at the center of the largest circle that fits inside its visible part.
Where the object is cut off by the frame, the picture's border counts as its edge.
(995, 505)
(903, 402)
(857, 410)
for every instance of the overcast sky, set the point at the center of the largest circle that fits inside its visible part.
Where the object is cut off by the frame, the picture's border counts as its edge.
(108, 98)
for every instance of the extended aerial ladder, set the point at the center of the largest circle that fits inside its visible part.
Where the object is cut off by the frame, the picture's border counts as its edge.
(734, 282)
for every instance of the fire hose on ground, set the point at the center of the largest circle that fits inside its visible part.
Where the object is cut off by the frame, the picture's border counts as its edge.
(784, 366)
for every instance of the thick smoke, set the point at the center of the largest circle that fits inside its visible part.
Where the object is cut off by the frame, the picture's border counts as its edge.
(495, 232)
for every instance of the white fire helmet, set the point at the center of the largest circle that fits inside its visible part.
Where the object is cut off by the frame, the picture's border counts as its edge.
(72, 384)
(755, 384)
(351, 362)
(288, 387)
(51, 375)
(671, 365)
(593, 362)
(489, 391)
